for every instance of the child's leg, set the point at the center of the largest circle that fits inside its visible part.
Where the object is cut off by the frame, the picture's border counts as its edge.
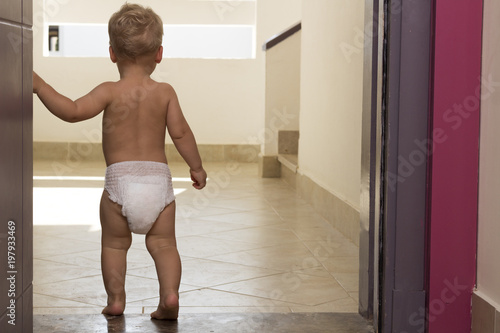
(162, 246)
(116, 240)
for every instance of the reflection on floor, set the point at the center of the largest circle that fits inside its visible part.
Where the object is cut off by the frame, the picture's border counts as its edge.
(204, 322)
(248, 245)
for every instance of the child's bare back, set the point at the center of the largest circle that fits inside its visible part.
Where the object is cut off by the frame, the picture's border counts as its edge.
(134, 122)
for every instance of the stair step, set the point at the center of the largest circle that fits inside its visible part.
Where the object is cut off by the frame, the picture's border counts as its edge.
(291, 161)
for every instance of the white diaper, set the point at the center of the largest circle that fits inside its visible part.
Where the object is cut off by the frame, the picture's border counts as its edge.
(142, 188)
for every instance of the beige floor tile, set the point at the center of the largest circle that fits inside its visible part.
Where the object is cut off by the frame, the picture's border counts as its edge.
(196, 227)
(85, 259)
(136, 258)
(348, 281)
(48, 272)
(306, 222)
(218, 298)
(308, 231)
(325, 249)
(290, 287)
(208, 273)
(230, 309)
(258, 235)
(129, 309)
(209, 298)
(342, 264)
(49, 246)
(247, 245)
(186, 282)
(284, 196)
(344, 305)
(90, 290)
(291, 210)
(66, 231)
(354, 296)
(244, 204)
(278, 194)
(237, 192)
(200, 207)
(138, 242)
(253, 218)
(204, 247)
(146, 272)
(48, 302)
(284, 257)
(73, 310)
(315, 271)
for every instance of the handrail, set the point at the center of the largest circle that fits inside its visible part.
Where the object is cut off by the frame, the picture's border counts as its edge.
(276, 39)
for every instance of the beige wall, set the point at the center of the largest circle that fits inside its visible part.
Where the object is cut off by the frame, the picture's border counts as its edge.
(488, 268)
(331, 96)
(223, 100)
(282, 91)
(171, 11)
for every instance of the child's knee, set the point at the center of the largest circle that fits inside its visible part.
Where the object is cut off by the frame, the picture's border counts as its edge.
(154, 243)
(127, 242)
(118, 243)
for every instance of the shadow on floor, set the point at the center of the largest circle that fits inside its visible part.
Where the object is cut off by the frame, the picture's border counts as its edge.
(210, 323)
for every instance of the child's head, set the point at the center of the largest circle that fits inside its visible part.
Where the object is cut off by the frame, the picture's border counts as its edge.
(135, 31)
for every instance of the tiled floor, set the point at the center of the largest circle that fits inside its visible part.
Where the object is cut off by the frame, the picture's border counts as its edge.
(247, 245)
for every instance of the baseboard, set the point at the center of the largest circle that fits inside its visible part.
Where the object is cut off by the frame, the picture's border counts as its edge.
(485, 314)
(86, 151)
(340, 214)
(269, 167)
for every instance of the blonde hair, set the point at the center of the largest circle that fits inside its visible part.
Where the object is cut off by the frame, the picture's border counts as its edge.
(134, 31)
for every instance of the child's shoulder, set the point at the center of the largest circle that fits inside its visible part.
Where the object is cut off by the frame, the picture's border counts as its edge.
(106, 87)
(167, 89)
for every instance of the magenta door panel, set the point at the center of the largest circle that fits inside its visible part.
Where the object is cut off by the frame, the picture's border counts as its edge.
(452, 218)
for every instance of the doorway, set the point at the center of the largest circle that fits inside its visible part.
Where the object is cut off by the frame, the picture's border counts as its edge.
(317, 230)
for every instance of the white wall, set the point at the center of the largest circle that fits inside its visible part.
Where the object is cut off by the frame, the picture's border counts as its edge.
(331, 96)
(282, 90)
(223, 100)
(488, 265)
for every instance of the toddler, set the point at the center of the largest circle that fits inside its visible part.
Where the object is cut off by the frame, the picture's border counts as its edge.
(138, 195)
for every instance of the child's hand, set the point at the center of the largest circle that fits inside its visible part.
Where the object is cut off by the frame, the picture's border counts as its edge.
(199, 178)
(37, 83)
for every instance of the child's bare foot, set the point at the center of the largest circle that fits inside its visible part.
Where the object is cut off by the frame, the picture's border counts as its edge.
(114, 309)
(167, 310)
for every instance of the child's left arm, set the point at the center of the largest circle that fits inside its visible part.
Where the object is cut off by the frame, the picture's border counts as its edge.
(64, 108)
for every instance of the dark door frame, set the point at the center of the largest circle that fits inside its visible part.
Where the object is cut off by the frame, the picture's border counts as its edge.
(16, 166)
(408, 65)
(394, 164)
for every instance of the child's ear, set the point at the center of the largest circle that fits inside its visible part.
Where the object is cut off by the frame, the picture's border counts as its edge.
(159, 55)
(112, 55)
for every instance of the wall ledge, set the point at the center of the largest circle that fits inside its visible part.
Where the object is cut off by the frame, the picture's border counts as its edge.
(87, 151)
(290, 161)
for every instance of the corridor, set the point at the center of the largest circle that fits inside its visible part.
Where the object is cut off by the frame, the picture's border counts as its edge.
(249, 247)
